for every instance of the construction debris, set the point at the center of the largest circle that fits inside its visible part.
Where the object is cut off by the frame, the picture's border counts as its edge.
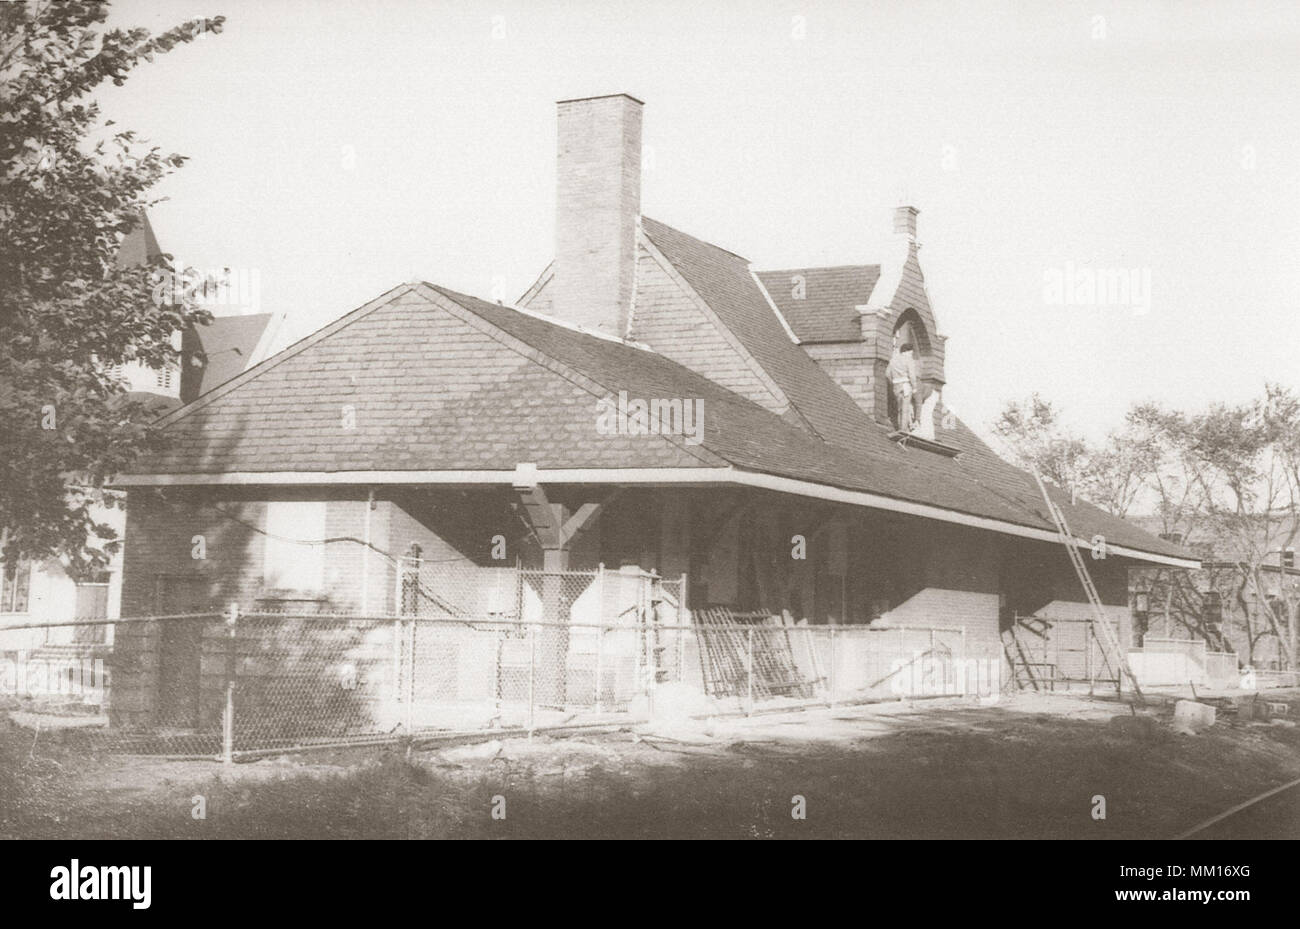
(673, 703)
(749, 655)
(1191, 717)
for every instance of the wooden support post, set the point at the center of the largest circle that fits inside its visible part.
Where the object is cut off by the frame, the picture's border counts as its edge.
(228, 712)
(551, 682)
(555, 529)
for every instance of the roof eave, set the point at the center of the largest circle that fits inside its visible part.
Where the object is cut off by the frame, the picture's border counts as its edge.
(634, 476)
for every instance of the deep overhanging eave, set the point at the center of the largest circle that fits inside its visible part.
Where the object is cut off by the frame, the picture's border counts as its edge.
(632, 477)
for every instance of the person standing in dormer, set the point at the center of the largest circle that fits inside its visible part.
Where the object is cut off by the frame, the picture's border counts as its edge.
(905, 379)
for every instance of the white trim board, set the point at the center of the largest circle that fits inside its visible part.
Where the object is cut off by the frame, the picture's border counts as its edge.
(643, 476)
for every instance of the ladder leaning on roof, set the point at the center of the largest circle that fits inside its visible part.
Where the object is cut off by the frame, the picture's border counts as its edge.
(1107, 635)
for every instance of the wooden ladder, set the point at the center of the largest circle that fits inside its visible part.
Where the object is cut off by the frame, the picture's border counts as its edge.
(1022, 670)
(1110, 643)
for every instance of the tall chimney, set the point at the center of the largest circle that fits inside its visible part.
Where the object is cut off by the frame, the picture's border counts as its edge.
(905, 221)
(598, 202)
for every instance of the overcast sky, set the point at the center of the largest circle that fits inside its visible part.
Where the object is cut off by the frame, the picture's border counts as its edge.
(339, 149)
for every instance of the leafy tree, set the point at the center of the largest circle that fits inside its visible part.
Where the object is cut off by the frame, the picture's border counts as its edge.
(70, 188)
(1033, 435)
(1225, 481)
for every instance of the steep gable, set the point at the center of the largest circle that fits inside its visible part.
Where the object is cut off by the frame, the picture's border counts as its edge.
(674, 321)
(724, 281)
(405, 383)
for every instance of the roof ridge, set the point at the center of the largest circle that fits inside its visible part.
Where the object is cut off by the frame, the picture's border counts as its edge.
(284, 354)
(873, 264)
(581, 378)
(711, 245)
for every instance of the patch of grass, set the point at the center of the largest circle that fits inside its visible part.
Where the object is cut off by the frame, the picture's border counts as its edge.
(1016, 776)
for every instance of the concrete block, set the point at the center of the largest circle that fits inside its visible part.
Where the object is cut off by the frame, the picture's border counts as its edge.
(1192, 717)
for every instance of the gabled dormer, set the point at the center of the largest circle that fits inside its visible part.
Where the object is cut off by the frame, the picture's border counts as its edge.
(872, 329)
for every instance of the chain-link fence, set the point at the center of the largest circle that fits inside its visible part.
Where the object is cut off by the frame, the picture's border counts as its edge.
(231, 685)
(470, 650)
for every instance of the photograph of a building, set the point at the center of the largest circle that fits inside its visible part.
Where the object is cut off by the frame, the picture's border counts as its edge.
(457, 467)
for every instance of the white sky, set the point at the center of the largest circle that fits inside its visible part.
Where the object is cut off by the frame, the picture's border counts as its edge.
(340, 149)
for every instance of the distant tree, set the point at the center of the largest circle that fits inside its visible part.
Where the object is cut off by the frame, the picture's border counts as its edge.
(1226, 480)
(1109, 475)
(70, 189)
(1245, 464)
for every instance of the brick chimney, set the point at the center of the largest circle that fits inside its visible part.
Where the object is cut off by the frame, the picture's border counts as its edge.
(905, 221)
(598, 203)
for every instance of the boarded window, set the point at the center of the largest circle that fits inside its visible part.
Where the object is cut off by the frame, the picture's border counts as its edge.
(295, 555)
(15, 587)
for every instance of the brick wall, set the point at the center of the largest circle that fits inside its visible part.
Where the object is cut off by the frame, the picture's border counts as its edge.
(859, 367)
(161, 573)
(851, 364)
(598, 182)
(670, 322)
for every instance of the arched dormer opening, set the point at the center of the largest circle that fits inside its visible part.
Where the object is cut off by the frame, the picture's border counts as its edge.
(910, 385)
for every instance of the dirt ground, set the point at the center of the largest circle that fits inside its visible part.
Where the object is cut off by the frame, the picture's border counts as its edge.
(1032, 766)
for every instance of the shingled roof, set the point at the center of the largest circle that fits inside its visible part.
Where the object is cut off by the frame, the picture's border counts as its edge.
(820, 303)
(977, 481)
(436, 380)
(224, 348)
(139, 246)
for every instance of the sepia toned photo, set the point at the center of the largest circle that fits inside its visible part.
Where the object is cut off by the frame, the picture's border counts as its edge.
(773, 420)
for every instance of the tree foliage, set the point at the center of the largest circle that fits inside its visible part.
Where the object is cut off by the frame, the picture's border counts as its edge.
(1225, 481)
(71, 186)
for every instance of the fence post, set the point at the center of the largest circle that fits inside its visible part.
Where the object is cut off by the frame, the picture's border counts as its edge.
(931, 658)
(750, 673)
(1090, 637)
(409, 720)
(830, 674)
(600, 633)
(532, 676)
(965, 669)
(650, 633)
(398, 604)
(683, 623)
(902, 653)
(228, 711)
